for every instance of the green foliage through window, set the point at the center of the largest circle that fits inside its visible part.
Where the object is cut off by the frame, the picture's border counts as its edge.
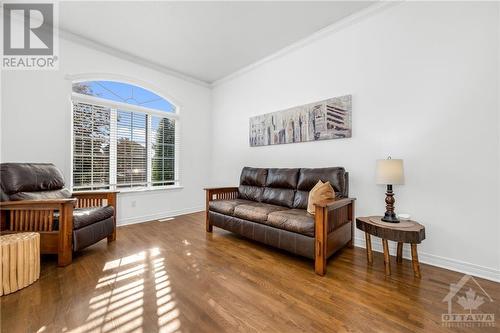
(119, 148)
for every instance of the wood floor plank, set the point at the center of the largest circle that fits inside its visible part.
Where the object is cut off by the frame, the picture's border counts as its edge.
(172, 276)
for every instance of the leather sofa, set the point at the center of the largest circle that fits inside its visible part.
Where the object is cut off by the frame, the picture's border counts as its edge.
(33, 198)
(270, 206)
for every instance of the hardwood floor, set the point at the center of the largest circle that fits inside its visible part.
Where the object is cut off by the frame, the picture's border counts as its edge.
(173, 277)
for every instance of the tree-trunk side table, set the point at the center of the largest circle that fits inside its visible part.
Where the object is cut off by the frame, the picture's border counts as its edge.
(19, 261)
(403, 232)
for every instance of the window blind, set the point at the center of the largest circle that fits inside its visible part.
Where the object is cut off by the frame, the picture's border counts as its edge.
(91, 146)
(163, 151)
(131, 151)
(119, 148)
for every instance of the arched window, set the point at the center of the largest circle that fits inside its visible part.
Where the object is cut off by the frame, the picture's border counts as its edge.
(124, 136)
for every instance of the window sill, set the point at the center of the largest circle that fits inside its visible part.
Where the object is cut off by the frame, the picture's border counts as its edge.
(136, 190)
(150, 189)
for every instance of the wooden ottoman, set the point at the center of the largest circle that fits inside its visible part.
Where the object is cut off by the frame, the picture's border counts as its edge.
(20, 261)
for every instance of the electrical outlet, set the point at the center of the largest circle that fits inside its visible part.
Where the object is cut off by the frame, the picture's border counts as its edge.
(133, 203)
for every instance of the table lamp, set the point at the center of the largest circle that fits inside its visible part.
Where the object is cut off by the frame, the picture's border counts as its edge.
(390, 172)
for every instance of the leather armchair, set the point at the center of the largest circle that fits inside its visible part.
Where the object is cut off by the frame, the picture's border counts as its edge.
(33, 198)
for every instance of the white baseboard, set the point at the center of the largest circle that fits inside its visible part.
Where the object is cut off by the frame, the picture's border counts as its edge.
(162, 215)
(433, 260)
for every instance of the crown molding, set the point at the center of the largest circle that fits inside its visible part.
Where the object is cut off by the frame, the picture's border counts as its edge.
(334, 27)
(72, 37)
(339, 25)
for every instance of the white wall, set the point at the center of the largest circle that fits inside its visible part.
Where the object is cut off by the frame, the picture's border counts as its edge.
(36, 115)
(424, 80)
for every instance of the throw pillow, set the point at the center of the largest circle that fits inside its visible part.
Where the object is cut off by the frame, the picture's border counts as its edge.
(320, 191)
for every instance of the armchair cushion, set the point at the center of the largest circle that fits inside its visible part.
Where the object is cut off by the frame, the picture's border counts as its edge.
(92, 233)
(30, 177)
(63, 193)
(86, 216)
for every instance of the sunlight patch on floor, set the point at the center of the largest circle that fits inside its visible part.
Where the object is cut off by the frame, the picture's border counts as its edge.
(167, 312)
(121, 309)
(141, 256)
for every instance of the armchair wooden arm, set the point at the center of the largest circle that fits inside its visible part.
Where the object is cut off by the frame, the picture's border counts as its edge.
(218, 193)
(95, 198)
(87, 199)
(331, 215)
(38, 216)
(35, 204)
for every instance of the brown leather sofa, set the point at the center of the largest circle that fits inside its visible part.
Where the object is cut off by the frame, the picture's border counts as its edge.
(33, 198)
(270, 206)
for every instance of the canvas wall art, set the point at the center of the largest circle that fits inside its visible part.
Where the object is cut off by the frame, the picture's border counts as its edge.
(323, 120)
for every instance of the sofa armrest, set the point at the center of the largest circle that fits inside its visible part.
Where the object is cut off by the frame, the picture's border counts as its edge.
(217, 193)
(220, 193)
(224, 188)
(332, 204)
(327, 213)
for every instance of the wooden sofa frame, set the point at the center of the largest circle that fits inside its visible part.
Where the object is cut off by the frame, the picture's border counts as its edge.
(38, 216)
(326, 243)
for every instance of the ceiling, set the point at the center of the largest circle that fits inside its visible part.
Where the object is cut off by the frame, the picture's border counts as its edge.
(203, 40)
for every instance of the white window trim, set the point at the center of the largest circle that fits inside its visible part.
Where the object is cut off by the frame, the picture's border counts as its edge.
(120, 105)
(76, 97)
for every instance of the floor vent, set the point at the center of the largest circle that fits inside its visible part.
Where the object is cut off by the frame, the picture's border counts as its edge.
(166, 219)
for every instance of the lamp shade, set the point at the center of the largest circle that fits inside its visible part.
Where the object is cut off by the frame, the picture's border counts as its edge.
(390, 172)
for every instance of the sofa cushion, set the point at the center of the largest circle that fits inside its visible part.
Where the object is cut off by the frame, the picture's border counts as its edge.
(30, 177)
(282, 178)
(252, 193)
(252, 183)
(86, 216)
(278, 196)
(280, 187)
(283, 239)
(255, 211)
(309, 177)
(253, 176)
(294, 220)
(301, 199)
(226, 206)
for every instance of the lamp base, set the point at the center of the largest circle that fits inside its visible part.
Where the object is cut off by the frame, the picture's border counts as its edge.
(390, 217)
